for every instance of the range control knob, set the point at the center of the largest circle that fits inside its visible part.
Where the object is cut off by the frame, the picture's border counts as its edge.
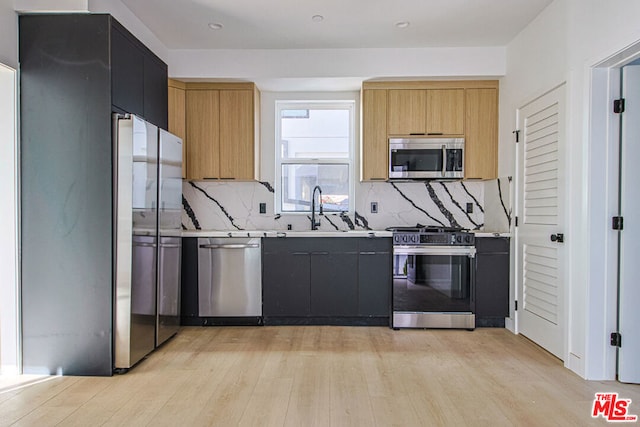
(415, 238)
(467, 239)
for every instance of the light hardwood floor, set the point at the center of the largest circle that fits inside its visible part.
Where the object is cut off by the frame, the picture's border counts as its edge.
(321, 376)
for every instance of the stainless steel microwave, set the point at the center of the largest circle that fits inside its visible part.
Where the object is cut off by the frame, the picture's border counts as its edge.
(426, 158)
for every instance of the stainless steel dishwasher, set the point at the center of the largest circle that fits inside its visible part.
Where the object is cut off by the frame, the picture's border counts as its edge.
(229, 277)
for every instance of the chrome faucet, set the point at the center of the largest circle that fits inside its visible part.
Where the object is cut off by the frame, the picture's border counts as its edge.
(314, 224)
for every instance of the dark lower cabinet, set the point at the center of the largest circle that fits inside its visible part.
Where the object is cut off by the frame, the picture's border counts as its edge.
(334, 278)
(319, 280)
(492, 281)
(374, 277)
(288, 277)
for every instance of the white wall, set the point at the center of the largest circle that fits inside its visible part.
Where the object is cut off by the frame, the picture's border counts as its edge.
(9, 35)
(563, 44)
(334, 69)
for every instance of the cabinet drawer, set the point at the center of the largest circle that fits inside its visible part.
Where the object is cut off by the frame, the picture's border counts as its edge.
(492, 244)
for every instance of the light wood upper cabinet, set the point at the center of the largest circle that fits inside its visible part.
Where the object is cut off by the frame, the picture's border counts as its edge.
(426, 112)
(236, 135)
(445, 112)
(481, 134)
(177, 117)
(407, 112)
(221, 130)
(203, 134)
(374, 149)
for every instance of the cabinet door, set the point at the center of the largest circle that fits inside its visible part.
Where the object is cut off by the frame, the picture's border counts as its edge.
(445, 112)
(375, 146)
(481, 134)
(334, 278)
(492, 277)
(155, 91)
(407, 112)
(203, 116)
(177, 120)
(236, 135)
(374, 277)
(127, 74)
(286, 271)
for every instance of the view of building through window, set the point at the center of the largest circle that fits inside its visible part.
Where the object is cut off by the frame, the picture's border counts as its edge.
(315, 148)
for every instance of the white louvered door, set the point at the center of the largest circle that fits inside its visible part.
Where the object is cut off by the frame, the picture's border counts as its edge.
(540, 263)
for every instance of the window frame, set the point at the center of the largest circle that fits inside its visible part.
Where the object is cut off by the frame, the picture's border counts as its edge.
(348, 104)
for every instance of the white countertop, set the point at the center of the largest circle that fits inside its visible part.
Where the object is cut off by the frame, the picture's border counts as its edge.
(282, 233)
(317, 233)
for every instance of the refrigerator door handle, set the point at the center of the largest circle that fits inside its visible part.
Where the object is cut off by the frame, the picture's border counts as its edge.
(170, 245)
(145, 245)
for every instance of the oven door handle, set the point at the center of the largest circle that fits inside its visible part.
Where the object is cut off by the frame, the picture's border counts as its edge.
(469, 251)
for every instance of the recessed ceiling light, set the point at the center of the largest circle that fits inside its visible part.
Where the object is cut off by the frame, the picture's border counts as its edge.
(402, 24)
(317, 18)
(215, 25)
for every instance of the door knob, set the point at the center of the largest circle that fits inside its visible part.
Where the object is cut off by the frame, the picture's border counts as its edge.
(557, 238)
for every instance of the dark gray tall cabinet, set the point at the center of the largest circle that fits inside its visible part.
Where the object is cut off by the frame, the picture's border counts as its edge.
(492, 281)
(75, 70)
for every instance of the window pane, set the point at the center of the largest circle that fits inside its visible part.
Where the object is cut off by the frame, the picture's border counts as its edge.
(298, 181)
(319, 134)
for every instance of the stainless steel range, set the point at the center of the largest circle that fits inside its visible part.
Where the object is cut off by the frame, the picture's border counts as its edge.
(434, 278)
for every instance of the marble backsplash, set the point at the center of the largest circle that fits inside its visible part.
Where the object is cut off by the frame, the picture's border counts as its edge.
(211, 205)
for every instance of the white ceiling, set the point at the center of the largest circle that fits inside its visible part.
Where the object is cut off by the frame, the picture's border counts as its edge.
(287, 24)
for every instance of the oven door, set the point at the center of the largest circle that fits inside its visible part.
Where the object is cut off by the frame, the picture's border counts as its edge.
(438, 289)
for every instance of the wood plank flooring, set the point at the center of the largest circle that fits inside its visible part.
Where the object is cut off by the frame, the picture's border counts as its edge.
(321, 376)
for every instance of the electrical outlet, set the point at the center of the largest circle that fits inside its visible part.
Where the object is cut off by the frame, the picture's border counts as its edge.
(263, 208)
(469, 207)
(374, 207)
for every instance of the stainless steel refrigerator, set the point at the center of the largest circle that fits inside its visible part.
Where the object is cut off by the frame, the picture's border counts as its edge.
(147, 244)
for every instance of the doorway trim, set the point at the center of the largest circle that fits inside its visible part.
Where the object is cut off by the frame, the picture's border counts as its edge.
(10, 357)
(604, 134)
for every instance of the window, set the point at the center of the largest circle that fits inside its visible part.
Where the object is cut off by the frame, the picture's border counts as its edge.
(314, 146)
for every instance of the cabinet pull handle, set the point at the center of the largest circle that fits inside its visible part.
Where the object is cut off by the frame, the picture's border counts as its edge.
(367, 253)
(319, 253)
(416, 133)
(378, 179)
(209, 178)
(300, 253)
(227, 178)
(435, 133)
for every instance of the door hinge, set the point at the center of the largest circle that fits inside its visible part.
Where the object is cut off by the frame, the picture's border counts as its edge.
(616, 339)
(516, 309)
(517, 132)
(618, 106)
(617, 223)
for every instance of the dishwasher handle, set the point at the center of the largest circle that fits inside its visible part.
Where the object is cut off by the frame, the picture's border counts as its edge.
(232, 246)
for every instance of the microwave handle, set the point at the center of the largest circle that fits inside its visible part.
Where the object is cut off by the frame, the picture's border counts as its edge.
(444, 160)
